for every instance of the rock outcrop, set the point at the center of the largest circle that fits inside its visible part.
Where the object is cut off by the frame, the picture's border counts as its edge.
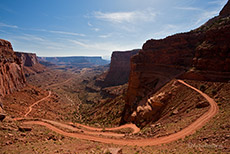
(226, 10)
(2, 113)
(12, 76)
(201, 54)
(28, 59)
(118, 73)
(30, 63)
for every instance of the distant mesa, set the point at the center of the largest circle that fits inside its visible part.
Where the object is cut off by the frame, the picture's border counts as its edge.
(77, 61)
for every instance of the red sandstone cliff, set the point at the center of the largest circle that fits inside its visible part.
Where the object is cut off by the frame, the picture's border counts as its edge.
(119, 70)
(12, 77)
(201, 54)
(30, 63)
(28, 59)
(226, 10)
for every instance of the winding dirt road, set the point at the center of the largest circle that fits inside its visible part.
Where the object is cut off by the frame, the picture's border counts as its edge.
(201, 121)
(132, 126)
(75, 129)
(57, 84)
(30, 107)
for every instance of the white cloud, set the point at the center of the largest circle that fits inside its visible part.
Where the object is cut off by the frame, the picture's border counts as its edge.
(9, 26)
(3, 31)
(89, 24)
(126, 17)
(189, 8)
(205, 16)
(58, 32)
(80, 43)
(116, 17)
(166, 30)
(218, 2)
(66, 33)
(96, 29)
(29, 37)
(105, 36)
(93, 28)
(105, 46)
(7, 9)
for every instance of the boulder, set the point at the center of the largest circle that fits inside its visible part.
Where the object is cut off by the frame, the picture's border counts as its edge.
(2, 116)
(113, 151)
(175, 112)
(24, 129)
(202, 104)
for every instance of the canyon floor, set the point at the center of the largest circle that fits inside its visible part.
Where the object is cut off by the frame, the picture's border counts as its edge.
(60, 112)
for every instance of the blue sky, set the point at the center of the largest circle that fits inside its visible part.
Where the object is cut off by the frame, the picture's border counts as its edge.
(97, 27)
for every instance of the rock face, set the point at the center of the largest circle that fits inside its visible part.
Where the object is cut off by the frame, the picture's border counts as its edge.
(28, 59)
(226, 10)
(119, 70)
(2, 114)
(12, 76)
(201, 54)
(30, 63)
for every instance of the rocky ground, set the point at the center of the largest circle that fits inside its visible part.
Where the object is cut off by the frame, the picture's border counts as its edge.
(184, 108)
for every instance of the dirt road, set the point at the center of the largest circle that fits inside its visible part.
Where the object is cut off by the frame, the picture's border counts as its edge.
(201, 121)
(132, 126)
(30, 107)
(58, 84)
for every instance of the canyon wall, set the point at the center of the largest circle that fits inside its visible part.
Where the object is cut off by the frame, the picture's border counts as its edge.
(30, 63)
(28, 59)
(12, 76)
(119, 69)
(201, 54)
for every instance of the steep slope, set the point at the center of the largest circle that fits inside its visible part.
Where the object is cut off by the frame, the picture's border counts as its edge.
(30, 63)
(201, 54)
(226, 10)
(12, 77)
(119, 70)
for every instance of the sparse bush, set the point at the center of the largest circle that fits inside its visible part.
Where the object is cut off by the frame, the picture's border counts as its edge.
(214, 92)
(202, 87)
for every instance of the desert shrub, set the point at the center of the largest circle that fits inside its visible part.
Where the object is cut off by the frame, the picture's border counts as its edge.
(202, 87)
(214, 92)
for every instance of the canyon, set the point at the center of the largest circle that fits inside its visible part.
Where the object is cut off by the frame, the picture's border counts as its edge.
(201, 54)
(174, 92)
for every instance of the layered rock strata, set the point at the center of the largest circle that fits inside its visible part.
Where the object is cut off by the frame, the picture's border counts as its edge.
(12, 76)
(30, 63)
(201, 54)
(118, 73)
